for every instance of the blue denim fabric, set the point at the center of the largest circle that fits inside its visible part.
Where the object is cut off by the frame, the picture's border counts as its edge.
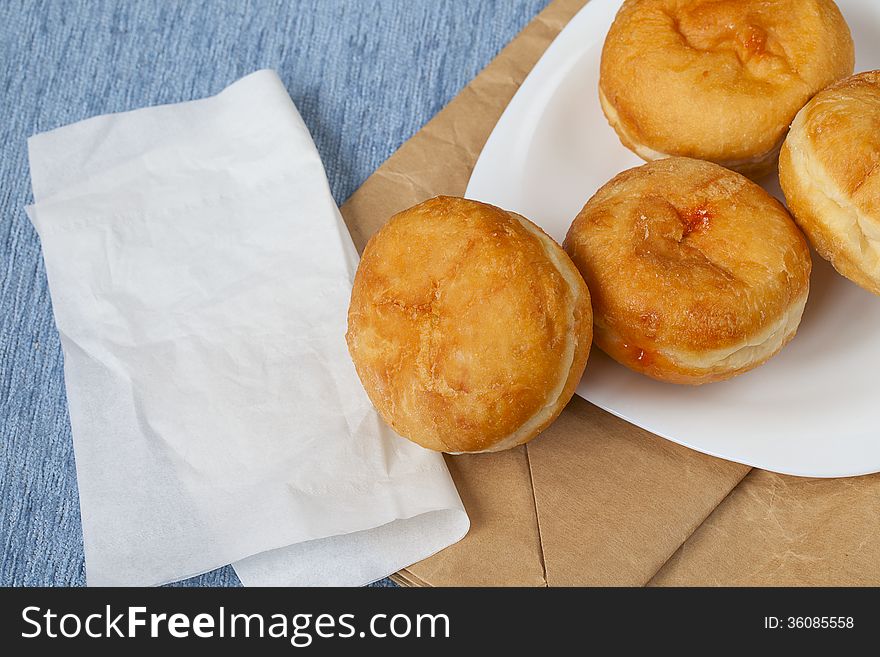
(365, 76)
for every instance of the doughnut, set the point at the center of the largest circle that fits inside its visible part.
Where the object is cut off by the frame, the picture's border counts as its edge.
(829, 170)
(718, 80)
(468, 326)
(696, 273)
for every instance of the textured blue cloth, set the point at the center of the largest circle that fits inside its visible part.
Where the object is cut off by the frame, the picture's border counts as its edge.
(365, 75)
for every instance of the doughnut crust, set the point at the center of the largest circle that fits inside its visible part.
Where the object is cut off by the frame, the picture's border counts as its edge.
(696, 273)
(718, 80)
(829, 169)
(469, 327)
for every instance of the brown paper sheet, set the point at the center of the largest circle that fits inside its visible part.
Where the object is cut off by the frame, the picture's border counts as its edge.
(595, 500)
(774, 530)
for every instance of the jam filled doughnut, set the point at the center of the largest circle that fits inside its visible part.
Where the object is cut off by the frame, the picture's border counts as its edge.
(696, 273)
(718, 80)
(829, 169)
(468, 326)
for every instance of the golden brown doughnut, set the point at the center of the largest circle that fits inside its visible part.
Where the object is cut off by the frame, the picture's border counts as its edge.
(829, 169)
(718, 80)
(696, 273)
(469, 327)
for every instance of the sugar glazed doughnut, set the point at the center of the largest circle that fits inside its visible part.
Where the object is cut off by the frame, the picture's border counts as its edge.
(718, 80)
(468, 326)
(695, 272)
(829, 169)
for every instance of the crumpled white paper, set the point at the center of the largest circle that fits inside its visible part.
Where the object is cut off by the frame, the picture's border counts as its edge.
(200, 274)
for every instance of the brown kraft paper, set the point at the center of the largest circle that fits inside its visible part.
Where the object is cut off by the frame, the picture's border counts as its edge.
(595, 500)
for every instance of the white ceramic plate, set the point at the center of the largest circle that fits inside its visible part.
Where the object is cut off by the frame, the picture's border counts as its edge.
(813, 409)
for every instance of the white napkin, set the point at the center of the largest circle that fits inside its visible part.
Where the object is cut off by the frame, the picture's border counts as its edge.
(200, 274)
